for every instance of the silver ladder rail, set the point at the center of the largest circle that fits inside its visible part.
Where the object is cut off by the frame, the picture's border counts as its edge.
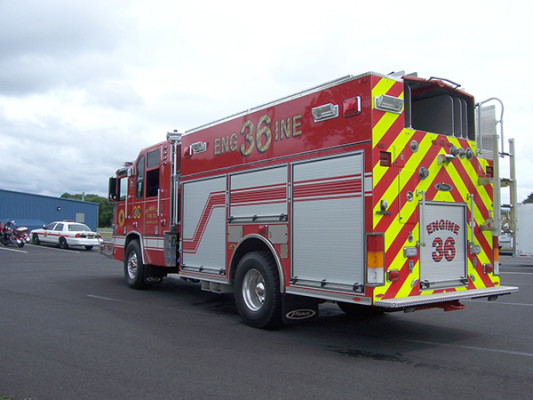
(486, 118)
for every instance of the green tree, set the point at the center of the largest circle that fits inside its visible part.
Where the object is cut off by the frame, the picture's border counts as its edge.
(529, 199)
(105, 208)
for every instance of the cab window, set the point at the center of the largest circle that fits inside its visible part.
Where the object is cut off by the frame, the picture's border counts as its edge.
(122, 188)
(59, 227)
(152, 175)
(139, 189)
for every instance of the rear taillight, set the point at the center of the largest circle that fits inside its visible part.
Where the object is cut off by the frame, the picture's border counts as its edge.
(375, 259)
(78, 235)
(496, 250)
(393, 275)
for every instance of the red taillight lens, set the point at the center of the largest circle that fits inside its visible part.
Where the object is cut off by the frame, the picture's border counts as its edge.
(489, 171)
(488, 269)
(375, 245)
(393, 275)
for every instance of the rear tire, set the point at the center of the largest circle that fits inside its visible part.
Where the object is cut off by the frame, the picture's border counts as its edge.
(257, 292)
(63, 243)
(89, 247)
(134, 269)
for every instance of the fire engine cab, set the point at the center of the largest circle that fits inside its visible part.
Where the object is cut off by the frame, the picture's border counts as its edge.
(369, 191)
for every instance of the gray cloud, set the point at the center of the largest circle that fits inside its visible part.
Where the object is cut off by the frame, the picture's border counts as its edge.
(59, 43)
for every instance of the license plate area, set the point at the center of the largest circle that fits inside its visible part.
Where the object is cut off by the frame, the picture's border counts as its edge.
(443, 256)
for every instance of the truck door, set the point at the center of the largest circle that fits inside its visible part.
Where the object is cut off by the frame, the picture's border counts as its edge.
(136, 206)
(327, 221)
(152, 198)
(158, 191)
(119, 197)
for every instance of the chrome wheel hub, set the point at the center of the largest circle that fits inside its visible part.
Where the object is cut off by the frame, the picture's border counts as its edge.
(253, 290)
(132, 265)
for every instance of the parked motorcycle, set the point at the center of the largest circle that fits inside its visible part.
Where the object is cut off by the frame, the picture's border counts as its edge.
(23, 233)
(11, 235)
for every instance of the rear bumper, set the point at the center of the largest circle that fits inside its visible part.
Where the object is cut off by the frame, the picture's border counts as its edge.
(83, 242)
(414, 301)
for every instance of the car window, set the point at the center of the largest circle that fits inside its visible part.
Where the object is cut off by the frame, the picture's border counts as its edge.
(78, 227)
(49, 227)
(59, 227)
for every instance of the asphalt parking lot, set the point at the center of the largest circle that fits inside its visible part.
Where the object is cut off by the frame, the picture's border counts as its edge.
(72, 329)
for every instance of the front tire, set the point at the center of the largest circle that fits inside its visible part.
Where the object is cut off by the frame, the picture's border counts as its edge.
(35, 239)
(134, 269)
(257, 293)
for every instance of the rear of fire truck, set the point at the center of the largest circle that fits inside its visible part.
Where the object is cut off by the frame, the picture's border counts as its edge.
(385, 200)
(435, 224)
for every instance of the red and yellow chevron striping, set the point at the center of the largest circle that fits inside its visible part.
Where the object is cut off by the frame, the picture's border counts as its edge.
(402, 187)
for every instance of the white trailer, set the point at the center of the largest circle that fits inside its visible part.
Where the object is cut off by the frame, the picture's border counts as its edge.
(524, 230)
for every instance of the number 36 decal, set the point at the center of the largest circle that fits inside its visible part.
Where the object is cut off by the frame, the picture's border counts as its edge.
(446, 249)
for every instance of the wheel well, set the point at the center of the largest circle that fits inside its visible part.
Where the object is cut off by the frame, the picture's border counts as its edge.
(255, 244)
(130, 238)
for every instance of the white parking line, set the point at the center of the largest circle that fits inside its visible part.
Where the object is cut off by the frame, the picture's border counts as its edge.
(14, 250)
(512, 304)
(516, 273)
(54, 249)
(105, 298)
(459, 346)
(503, 303)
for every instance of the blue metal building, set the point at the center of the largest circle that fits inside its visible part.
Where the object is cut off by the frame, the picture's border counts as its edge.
(34, 211)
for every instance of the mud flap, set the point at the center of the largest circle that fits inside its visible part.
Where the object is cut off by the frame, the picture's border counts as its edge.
(297, 309)
(150, 275)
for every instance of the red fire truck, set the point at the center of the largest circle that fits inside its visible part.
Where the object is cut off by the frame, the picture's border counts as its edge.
(368, 191)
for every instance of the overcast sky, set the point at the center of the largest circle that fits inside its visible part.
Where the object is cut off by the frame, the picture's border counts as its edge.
(85, 85)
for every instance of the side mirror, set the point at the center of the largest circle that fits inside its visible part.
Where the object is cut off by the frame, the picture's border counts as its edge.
(112, 189)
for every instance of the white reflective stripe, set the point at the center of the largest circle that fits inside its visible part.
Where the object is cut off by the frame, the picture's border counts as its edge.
(368, 184)
(154, 243)
(119, 241)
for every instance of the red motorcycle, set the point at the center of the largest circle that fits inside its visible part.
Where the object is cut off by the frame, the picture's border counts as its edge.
(11, 235)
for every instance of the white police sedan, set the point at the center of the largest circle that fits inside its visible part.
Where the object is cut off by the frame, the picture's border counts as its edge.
(65, 234)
